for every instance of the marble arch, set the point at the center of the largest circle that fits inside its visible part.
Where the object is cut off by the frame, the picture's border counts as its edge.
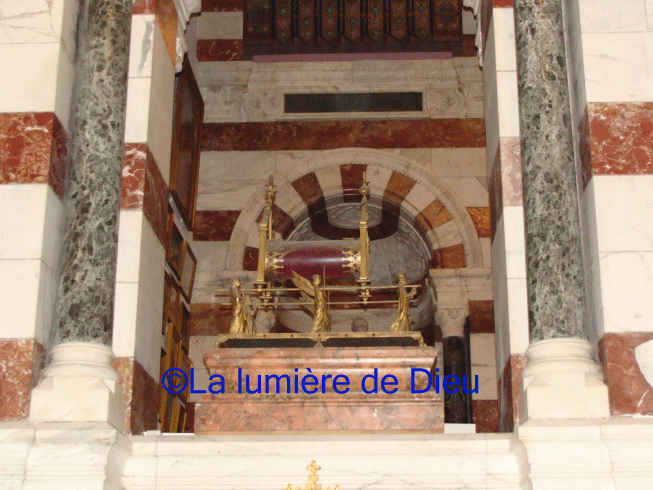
(425, 192)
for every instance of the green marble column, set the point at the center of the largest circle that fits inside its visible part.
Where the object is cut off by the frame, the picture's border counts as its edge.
(93, 183)
(551, 214)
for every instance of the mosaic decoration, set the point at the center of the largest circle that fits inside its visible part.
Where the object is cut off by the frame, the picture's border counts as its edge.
(282, 11)
(422, 19)
(352, 19)
(375, 19)
(398, 19)
(258, 21)
(330, 20)
(312, 25)
(306, 20)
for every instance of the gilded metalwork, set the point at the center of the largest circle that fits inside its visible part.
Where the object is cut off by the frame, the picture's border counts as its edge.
(273, 262)
(320, 310)
(322, 336)
(312, 484)
(352, 261)
(364, 278)
(242, 320)
(264, 233)
(403, 321)
(354, 258)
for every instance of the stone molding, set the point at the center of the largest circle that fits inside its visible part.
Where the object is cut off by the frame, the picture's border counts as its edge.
(475, 5)
(254, 92)
(551, 454)
(184, 8)
(79, 385)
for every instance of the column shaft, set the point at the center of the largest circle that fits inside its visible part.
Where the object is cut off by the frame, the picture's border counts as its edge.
(92, 200)
(551, 213)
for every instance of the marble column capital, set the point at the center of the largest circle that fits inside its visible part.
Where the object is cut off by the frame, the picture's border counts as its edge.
(451, 317)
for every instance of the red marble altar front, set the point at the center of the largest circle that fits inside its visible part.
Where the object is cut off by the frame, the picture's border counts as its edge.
(232, 411)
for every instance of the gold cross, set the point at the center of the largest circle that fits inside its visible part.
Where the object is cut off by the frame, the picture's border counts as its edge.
(312, 479)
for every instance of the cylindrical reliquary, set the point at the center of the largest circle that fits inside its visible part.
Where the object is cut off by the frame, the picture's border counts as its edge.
(331, 259)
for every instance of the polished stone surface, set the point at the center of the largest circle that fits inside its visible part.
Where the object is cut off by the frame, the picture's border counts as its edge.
(621, 138)
(219, 50)
(140, 394)
(326, 135)
(214, 226)
(486, 416)
(481, 316)
(552, 224)
(21, 362)
(32, 149)
(509, 386)
(133, 176)
(86, 291)
(629, 391)
(328, 411)
(155, 198)
(222, 5)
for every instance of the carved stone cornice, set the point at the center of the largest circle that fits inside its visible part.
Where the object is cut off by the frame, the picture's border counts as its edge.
(252, 92)
(475, 5)
(184, 8)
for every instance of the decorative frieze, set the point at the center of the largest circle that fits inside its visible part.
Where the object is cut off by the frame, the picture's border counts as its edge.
(248, 92)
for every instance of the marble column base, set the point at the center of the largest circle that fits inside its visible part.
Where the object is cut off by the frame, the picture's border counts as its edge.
(561, 381)
(79, 385)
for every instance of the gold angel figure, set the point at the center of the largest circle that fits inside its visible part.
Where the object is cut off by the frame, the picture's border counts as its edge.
(403, 321)
(241, 309)
(319, 309)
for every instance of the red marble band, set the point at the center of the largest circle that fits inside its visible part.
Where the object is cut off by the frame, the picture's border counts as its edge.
(21, 361)
(505, 185)
(140, 393)
(481, 219)
(219, 49)
(143, 187)
(329, 135)
(432, 216)
(222, 5)
(486, 416)
(214, 226)
(621, 138)
(509, 389)
(481, 316)
(33, 149)
(628, 391)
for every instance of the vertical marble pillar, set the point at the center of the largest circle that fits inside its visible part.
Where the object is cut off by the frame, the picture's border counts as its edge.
(454, 288)
(82, 328)
(551, 217)
(558, 355)
(451, 319)
(92, 200)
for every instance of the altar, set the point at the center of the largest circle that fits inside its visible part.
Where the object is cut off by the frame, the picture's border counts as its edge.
(371, 382)
(319, 381)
